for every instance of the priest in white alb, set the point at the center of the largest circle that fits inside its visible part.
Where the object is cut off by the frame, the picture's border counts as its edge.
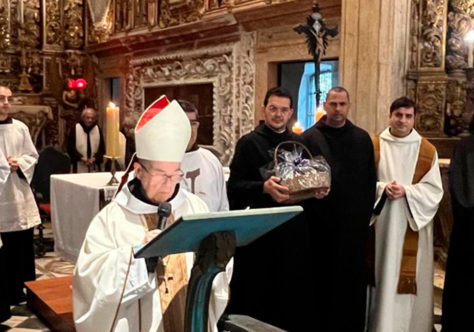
(113, 291)
(409, 190)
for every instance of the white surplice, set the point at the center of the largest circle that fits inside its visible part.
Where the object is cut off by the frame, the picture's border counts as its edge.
(389, 311)
(17, 203)
(109, 282)
(204, 177)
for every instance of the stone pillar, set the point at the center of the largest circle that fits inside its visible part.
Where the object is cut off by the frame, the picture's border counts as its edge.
(374, 57)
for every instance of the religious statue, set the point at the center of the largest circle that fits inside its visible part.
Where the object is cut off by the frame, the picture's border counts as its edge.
(317, 33)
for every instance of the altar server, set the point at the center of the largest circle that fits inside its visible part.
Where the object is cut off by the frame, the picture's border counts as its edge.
(203, 173)
(19, 213)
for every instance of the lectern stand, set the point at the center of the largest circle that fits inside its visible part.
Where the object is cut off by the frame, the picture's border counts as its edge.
(214, 236)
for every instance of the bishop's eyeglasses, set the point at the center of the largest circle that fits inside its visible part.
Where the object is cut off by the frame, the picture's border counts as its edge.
(162, 176)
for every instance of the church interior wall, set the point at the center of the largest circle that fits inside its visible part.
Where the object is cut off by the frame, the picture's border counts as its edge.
(385, 48)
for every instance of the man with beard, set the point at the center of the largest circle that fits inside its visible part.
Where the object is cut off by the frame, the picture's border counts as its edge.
(271, 282)
(85, 144)
(339, 222)
(19, 213)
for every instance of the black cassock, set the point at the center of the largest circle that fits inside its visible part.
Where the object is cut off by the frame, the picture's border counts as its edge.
(339, 225)
(4, 299)
(458, 293)
(271, 279)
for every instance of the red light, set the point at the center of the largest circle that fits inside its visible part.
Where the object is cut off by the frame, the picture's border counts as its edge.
(71, 84)
(81, 83)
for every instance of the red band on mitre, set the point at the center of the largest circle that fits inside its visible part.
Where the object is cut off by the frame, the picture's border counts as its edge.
(152, 110)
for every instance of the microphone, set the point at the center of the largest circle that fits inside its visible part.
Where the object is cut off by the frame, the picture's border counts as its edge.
(164, 211)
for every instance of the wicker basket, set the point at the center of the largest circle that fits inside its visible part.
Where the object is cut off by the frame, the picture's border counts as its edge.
(303, 185)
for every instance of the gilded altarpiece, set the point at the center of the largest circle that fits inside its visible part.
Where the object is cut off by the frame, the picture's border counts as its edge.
(438, 59)
(231, 70)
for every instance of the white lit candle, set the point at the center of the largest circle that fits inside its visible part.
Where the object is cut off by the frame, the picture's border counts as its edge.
(297, 128)
(112, 135)
(320, 112)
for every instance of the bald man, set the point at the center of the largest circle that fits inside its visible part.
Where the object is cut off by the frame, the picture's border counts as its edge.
(85, 144)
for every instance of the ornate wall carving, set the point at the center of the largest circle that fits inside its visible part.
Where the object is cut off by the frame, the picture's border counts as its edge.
(74, 24)
(432, 32)
(176, 12)
(230, 68)
(427, 79)
(431, 97)
(459, 21)
(53, 24)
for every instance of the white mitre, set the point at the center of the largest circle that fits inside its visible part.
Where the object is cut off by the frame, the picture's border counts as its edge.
(162, 133)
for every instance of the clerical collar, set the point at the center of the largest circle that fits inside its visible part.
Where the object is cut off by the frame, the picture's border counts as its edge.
(323, 125)
(390, 131)
(136, 189)
(86, 128)
(276, 131)
(8, 120)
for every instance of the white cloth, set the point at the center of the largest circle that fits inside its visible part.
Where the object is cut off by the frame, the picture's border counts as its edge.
(389, 311)
(106, 258)
(17, 203)
(81, 144)
(70, 193)
(204, 177)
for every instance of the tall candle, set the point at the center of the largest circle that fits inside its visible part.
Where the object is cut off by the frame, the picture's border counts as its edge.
(297, 128)
(112, 134)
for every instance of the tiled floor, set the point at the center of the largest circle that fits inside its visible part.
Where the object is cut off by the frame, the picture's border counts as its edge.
(51, 266)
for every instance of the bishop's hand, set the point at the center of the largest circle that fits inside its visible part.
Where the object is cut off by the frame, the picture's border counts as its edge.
(152, 261)
(277, 191)
(150, 235)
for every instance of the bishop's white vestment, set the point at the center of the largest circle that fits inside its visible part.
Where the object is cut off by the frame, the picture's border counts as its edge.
(17, 203)
(111, 289)
(204, 177)
(390, 311)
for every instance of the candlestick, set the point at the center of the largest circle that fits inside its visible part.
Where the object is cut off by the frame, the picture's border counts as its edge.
(113, 180)
(112, 135)
(297, 128)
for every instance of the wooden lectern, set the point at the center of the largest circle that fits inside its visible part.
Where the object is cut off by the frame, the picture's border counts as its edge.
(214, 237)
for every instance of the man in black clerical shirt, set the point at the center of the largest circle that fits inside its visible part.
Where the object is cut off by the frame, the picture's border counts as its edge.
(458, 287)
(339, 222)
(85, 144)
(271, 280)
